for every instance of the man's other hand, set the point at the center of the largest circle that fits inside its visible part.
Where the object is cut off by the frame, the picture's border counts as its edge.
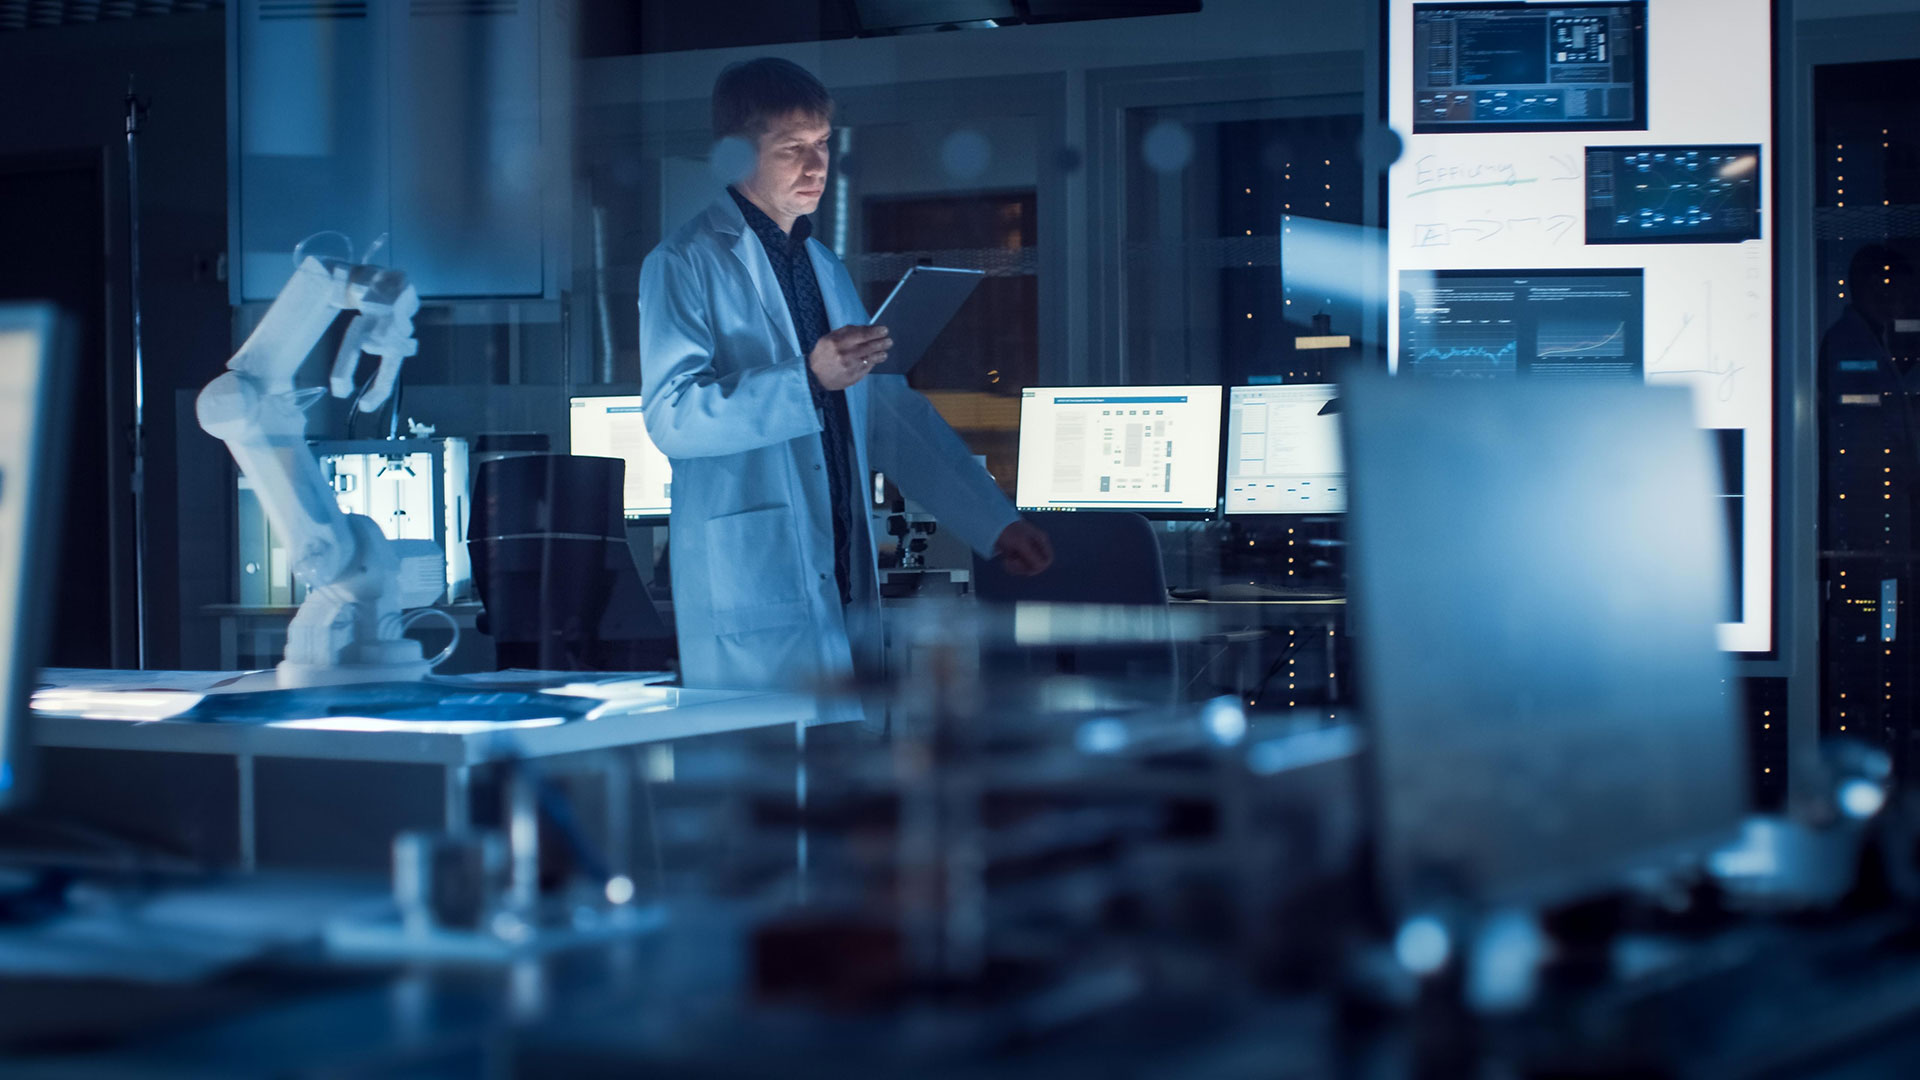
(844, 357)
(1024, 549)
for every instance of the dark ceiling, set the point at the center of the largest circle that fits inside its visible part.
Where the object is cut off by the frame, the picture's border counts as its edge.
(34, 14)
(626, 27)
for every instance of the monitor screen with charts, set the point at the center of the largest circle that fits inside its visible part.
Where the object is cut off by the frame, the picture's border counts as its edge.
(1673, 194)
(1529, 67)
(615, 427)
(1283, 450)
(1155, 449)
(1540, 324)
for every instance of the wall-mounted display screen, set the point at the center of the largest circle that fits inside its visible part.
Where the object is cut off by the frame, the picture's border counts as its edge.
(1673, 194)
(1529, 67)
(1582, 194)
(1283, 450)
(1147, 448)
(1491, 324)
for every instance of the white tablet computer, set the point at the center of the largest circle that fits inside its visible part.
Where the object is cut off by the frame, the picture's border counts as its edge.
(919, 307)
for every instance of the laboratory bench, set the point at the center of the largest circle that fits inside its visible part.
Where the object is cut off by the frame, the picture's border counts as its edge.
(325, 788)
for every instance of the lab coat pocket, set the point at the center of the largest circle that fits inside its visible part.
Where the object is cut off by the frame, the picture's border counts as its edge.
(753, 574)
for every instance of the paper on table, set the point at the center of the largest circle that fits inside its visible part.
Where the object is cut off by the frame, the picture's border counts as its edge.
(110, 679)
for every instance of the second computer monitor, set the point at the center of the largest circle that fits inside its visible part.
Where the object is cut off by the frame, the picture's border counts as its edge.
(615, 427)
(1154, 449)
(1283, 450)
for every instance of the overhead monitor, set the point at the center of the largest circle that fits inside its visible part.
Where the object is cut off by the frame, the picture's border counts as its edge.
(1529, 67)
(1155, 449)
(1283, 450)
(1612, 229)
(32, 433)
(615, 427)
(1700, 194)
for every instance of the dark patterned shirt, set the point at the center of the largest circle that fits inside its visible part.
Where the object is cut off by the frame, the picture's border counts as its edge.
(794, 270)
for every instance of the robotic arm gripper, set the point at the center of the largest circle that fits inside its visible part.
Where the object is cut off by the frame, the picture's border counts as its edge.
(349, 627)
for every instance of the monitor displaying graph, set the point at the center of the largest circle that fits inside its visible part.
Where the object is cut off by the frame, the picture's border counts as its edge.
(1498, 324)
(1154, 449)
(1673, 194)
(615, 426)
(1283, 450)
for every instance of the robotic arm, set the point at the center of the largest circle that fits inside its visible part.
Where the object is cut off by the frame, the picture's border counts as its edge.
(349, 627)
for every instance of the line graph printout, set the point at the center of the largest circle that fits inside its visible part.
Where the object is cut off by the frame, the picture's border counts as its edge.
(1149, 448)
(1584, 139)
(1497, 324)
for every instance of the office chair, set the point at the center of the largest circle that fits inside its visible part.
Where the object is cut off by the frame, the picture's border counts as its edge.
(551, 563)
(1099, 557)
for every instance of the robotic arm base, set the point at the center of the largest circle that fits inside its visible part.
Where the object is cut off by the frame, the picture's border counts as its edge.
(348, 631)
(291, 676)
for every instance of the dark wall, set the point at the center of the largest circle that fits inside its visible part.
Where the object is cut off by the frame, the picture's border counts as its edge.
(51, 206)
(63, 91)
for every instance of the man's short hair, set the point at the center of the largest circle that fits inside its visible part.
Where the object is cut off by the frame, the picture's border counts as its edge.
(750, 95)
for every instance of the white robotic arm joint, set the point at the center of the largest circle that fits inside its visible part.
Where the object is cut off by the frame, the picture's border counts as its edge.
(349, 627)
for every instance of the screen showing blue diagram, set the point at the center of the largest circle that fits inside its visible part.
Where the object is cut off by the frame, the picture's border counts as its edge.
(1529, 67)
(1498, 324)
(1673, 194)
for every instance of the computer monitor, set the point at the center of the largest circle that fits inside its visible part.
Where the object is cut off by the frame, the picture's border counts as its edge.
(1695, 194)
(614, 427)
(1586, 324)
(1529, 67)
(1153, 449)
(33, 384)
(1283, 450)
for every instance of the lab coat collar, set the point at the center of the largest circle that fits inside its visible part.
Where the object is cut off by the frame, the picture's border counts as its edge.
(843, 307)
(725, 219)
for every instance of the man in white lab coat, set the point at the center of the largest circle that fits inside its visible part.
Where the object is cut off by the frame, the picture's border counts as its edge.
(754, 357)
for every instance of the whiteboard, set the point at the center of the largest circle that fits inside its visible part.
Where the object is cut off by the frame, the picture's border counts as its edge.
(1518, 201)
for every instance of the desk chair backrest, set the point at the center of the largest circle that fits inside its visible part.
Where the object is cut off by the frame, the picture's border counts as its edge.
(552, 566)
(1100, 557)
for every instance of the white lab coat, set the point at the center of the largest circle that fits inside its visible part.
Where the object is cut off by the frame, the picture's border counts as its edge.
(727, 400)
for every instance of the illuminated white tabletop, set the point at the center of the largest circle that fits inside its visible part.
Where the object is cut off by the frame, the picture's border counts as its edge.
(116, 710)
(129, 710)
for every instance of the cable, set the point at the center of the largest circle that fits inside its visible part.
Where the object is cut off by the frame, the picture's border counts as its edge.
(353, 406)
(1261, 687)
(552, 803)
(1203, 668)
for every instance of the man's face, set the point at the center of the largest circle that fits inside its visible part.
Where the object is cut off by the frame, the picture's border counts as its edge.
(790, 173)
